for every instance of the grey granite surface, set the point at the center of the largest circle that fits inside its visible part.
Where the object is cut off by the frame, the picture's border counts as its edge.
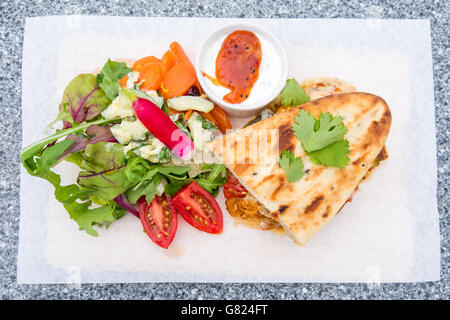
(12, 18)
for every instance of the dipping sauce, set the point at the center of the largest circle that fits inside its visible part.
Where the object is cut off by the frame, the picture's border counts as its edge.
(237, 65)
(263, 84)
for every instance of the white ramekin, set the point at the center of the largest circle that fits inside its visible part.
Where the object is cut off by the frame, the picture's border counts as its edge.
(238, 110)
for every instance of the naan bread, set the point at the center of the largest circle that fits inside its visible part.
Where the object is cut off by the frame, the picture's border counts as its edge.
(304, 207)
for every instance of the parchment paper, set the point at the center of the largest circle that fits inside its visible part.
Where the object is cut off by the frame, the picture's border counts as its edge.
(388, 233)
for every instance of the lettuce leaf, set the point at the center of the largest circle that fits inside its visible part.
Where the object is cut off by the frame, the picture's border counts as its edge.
(86, 218)
(103, 156)
(106, 184)
(40, 165)
(109, 76)
(32, 152)
(105, 165)
(211, 177)
(149, 176)
(49, 157)
(83, 99)
(147, 188)
(95, 134)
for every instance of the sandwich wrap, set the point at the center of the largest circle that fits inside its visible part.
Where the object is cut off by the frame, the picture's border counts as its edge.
(304, 207)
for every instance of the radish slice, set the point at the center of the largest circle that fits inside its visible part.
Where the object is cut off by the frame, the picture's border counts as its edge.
(163, 128)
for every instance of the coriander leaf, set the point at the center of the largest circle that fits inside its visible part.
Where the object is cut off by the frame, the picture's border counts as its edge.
(293, 167)
(333, 155)
(108, 77)
(317, 134)
(303, 125)
(83, 99)
(292, 94)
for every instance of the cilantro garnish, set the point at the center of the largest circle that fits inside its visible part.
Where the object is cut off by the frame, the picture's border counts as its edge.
(317, 134)
(323, 138)
(292, 94)
(333, 155)
(293, 167)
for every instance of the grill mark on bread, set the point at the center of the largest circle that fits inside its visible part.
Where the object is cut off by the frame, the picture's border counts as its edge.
(265, 180)
(383, 155)
(280, 211)
(241, 168)
(325, 214)
(286, 138)
(314, 205)
(283, 208)
(358, 161)
(280, 185)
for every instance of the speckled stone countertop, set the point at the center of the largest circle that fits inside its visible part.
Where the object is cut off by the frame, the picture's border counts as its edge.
(12, 19)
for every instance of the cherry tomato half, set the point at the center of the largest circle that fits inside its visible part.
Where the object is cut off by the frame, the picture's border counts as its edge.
(198, 208)
(233, 188)
(159, 219)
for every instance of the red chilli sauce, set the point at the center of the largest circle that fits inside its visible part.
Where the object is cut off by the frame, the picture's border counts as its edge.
(237, 65)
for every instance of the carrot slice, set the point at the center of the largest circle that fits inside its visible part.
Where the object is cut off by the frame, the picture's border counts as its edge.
(178, 80)
(173, 111)
(141, 63)
(208, 116)
(123, 81)
(187, 114)
(168, 61)
(152, 74)
(179, 54)
(223, 123)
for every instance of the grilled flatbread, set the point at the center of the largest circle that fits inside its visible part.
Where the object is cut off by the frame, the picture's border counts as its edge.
(305, 206)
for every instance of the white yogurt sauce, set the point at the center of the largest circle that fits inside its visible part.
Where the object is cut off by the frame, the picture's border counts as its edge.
(269, 71)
